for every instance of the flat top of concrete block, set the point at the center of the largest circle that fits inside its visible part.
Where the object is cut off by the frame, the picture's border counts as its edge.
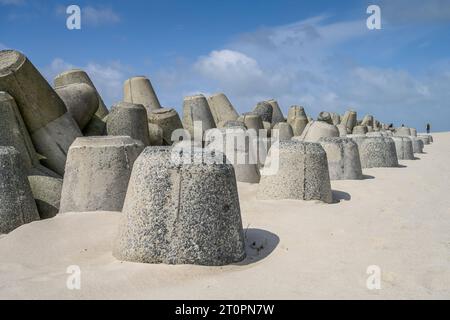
(10, 60)
(70, 72)
(104, 141)
(218, 94)
(137, 78)
(128, 105)
(301, 146)
(162, 111)
(194, 97)
(335, 139)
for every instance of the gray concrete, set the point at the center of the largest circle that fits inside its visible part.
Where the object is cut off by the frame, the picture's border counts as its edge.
(325, 117)
(404, 148)
(265, 110)
(295, 112)
(417, 144)
(46, 189)
(221, 109)
(425, 139)
(318, 129)
(233, 124)
(413, 132)
(81, 101)
(403, 132)
(97, 124)
(376, 152)
(177, 213)
(128, 119)
(349, 120)
(51, 128)
(342, 130)
(139, 90)
(302, 173)
(17, 206)
(277, 114)
(168, 120)
(196, 108)
(285, 131)
(252, 121)
(298, 125)
(360, 130)
(156, 135)
(343, 158)
(335, 118)
(97, 173)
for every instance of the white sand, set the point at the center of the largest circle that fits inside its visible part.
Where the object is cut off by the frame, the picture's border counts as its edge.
(398, 220)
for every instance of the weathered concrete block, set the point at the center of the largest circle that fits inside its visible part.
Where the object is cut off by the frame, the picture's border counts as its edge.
(81, 101)
(376, 152)
(156, 134)
(413, 132)
(349, 120)
(403, 132)
(97, 173)
(277, 114)
(325, 117)
(168, 120)
(46, 190)
(180, 213)
(233, 124)
(335, 118)
(221, 109)
(295, 112)
(17, 206)
(425, 139)
(196, 108)
(342, 130)
(97, 124)
(302, 173)
(298, 125)
(51, 128)
(404, 148)
(265, 110)
(368, 121)
(128, 119)
(360, 130)
(252, 121)
(285, 131)
(343, 158)
(139, 90)
(417, 144)
(318, 129)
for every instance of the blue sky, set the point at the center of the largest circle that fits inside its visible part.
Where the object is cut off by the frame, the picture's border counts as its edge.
(319, 54)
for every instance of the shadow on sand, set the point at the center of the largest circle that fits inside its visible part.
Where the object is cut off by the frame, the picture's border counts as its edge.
(339, 196)
(259, 244)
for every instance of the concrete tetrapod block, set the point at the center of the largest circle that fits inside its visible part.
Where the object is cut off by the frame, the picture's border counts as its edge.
(234, 124)
(277, 114)
(425, 139)
(265, 110)
(128, 119)
(46, 189)
(335, 118)
(403, 132)
(318, 129)
(360, 130)
(156, 134)
(285, 131)
(325, 117)
(343, 158)
(302, 173)
(81, 101)
(427, 136)
(17, 206)
(97, 124)
(295, 112)
(196, 109)
(404, 148)
(298, 125)
(234, 143)
(413, 132)
(417, 144)
(221, 109)
(51, 127)
(168, 120)
(376, 152)
(368, 121)
(349, 120)
(252, 121)
(342, 130)
(178, 212)
(139, 90)
(97, 173)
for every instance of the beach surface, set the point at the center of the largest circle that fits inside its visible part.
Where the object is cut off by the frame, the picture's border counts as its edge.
(396, 219)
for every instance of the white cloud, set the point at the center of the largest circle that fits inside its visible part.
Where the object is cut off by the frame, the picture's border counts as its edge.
(3, 46)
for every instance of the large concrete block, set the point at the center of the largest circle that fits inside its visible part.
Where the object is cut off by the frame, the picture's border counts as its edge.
(368, 121)
(316, 130)
(277, 114)
(349, 120)
(404, 148)
(335, 118)
(168, 120)
(46, 189)
(295, 112)
(376, 152)
(97, 173)
(81, 101)
(156, 134)
(343, 158)
(360, 130)
(285, 131)
(417, 144)
(413, 132)
(128, 119)
(325, 117)
(221, 109)
(302, 173)
(265, 110)
(425, 139)
(403, 132)
(97, 124)
(196, 109)
(17, 206)
(298, 125)
(342, 130)
(252, 121)
(139, 90)
(51, 127)
(177, 212)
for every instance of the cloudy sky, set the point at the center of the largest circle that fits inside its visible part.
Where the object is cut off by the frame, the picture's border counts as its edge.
(319, 54)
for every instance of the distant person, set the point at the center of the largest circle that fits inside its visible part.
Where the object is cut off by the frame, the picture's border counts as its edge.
(428, 128)
(403, 125)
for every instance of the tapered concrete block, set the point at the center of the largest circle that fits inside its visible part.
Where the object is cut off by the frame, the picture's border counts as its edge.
(265, 110)
(342, 130)
(233, 124)
(302, 173)
(51, 128)
(376, 152)
(428, 137)
(404, 148)
(343, 158)
(46, 189)
(178, 212)
(97, 124)
(17, 206)
(196, 108)
(318, 129)
(335, 118)
(128, 119)
(425, 139)
(97, 173)
(285, 131)
(81, 101)
(360, 130)
(403, 132)
(252, 121)
(413, 132)
(221, 109)
(349, 120)
(156, 135)
(234, 143)
(295, 112)
(325, 117)
(298, 125)
(368, 121)
(139, 90)
(277, 114)
(417, 144)
(168, 120)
